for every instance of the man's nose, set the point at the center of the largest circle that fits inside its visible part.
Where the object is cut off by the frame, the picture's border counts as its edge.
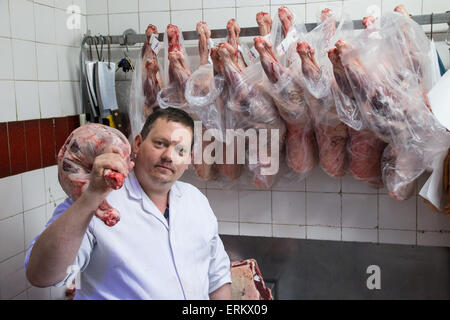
(167, 154)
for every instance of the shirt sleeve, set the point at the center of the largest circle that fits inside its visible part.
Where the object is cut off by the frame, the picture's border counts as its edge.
(219, 266)
(84, 253)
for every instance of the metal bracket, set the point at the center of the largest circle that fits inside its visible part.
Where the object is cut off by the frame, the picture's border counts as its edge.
(125, 40)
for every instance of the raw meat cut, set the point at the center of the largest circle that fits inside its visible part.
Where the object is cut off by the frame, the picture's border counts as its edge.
(286, 18)
(205, 171)
(364, 148)
(247, 281)
(331, 133)
(233, 39)
(77, 155)
(288, 94)
(390, 96)
(264, 23)
(151, 78)
(246, 106)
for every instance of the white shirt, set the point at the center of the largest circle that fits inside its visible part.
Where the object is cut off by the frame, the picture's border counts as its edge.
(143, 256)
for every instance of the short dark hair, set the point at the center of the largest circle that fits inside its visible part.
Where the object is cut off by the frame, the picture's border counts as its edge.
(170, 114)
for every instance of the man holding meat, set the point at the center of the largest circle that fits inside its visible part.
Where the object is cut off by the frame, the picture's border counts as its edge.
(166, 245)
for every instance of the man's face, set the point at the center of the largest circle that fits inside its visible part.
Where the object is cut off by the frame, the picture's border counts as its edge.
(165, 153)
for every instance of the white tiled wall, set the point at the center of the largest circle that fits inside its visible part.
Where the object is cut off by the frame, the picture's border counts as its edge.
(37, 47)
(38, 79)
(28, 201)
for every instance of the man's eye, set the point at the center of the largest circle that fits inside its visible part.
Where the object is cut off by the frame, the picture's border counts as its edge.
(159, 143)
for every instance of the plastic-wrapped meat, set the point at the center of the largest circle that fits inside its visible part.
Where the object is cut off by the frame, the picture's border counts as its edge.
(204, 171)
(391, 100)
(77, 155)
(331, 133)
(247, 106)
(363, 147)
(233, 39)
(247, 282)
(264, 23)
(151, 78)
(287, 92)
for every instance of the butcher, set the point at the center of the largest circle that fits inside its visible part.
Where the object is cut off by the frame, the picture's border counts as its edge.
(166, 245)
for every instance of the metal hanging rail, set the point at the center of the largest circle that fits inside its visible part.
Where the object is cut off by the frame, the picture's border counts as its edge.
(131, 39)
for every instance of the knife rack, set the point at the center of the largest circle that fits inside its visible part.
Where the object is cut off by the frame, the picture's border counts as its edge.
(129, 37)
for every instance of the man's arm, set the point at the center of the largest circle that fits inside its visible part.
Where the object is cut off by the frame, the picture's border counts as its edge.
(57, 247)
(223, 293)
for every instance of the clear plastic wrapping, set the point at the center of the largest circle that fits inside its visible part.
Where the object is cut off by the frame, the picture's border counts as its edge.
(390, 92)
(77, 155)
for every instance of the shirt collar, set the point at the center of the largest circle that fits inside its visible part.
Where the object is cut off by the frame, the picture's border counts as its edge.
(135, 190)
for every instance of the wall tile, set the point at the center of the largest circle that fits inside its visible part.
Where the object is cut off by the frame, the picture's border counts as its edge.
(224, 204)
(318, 181)
(63, 4)
(246, 3)
(429, 220)
(27, 98)
(64, 35)
(230, 228)
(118, 23)
(219, 4)
(33, 189)
(314, 9)
(255, 206)
(360, 235)
(68, 92)
(323, 209)
(5, 167)
(11, 232)
(49, 99)
(45, 24)
(397, 237)
(97, 7)
(32, 145)
(183, 5)
(414, 7)
(158, 19)
(186, 20)
(22, 20)
(16, 132)
(290, 182)
(47, 142)
(34, 223)
(357, 9)
(285, 2)
(53, 190)
(218, 18)
(154, 5)
(351, 185)
(98, 24)
(246, 16)
(47, 66)
(61, 132)
(68, 63)
(323, 233)
(437, 239)
(285, 231)
(5, 28)
(11, 196)
(6, 72)
(24, 53)
(255, 230)
(120, 6)
(359, 210)
(395, 214)
(288, 207)
(8, 101)
(21, 296)
(12, 277)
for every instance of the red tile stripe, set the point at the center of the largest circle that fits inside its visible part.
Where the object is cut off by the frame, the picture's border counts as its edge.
(32, 144)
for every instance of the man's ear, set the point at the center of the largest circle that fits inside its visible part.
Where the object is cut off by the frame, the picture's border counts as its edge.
(137, 143)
